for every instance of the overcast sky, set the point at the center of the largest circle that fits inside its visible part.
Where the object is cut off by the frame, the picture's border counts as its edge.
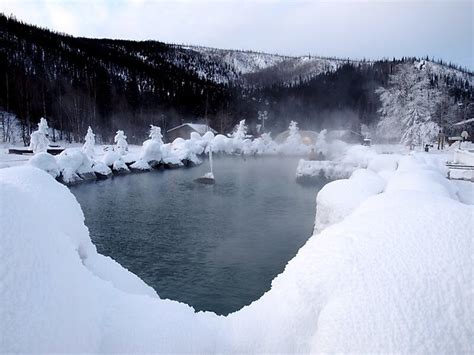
(343, 28)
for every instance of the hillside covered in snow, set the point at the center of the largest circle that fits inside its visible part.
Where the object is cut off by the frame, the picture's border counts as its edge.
(123, 84)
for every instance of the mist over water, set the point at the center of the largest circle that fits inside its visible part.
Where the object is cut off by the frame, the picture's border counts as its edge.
(216, 248)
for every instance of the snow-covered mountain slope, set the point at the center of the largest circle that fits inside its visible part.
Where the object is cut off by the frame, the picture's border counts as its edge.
(297, 69)
(243, 62)
(261, 69)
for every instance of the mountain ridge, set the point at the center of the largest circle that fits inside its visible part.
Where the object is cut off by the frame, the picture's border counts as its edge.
(115, 84)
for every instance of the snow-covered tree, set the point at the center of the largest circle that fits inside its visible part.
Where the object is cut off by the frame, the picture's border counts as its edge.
(294, 136)
(89, 144)
(321, 145)
(121, 145)
(408, 106)
(238, 136)
(419, 128)
(294, 142)
(240, 131)
(153, 148)
(155, 134)
(38, 140)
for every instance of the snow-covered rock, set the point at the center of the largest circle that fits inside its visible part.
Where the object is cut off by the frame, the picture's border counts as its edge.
(110, 157)
(140, 165)
(152, 148)
(73, 164)
(46, 162)
(119, 167)
(101, 170)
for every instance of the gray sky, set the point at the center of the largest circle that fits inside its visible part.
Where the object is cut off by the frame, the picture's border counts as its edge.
(343, 28)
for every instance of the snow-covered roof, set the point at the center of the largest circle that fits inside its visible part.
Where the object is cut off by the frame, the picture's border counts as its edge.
(199, 128)
(463, 122)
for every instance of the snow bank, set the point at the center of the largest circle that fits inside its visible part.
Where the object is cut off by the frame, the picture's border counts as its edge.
(394, 275)
(339, 198)
(46, 162)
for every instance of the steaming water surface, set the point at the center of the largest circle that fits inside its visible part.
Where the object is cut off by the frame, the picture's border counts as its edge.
(216, 248)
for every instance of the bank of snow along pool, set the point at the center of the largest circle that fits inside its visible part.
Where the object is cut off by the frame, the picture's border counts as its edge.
(392, 273)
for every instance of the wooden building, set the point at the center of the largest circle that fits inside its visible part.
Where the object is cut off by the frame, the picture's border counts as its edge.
(184, 131)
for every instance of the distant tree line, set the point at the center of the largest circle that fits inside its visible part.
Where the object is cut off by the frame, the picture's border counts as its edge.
(128, 85)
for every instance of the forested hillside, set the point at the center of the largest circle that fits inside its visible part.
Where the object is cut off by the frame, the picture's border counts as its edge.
(121, 84)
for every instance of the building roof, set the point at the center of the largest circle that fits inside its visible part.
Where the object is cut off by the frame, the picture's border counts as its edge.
(197, 127)
(460, 123)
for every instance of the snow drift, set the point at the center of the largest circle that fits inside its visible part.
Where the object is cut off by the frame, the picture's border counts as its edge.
(392, 274)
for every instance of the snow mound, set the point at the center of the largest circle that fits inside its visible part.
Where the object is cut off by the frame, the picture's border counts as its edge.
(394, 275)
(46, 162)
(339, 198)
(412, 175)
(120, 166)
(384, 162)
(101, 169)
(110, 157)
(141, 165)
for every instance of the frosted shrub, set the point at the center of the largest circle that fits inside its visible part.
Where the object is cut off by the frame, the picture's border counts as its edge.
(294, 143)
(121, 144)
(39, 141)
(152, 148)
(88, 147)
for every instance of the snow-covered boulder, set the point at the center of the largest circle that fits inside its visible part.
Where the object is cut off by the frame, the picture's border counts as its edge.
(101, 170)
(110, 157)
(140, 166)
(119, 167)
(75, 166)
(151, 151)
(152, 148)
(46, 162)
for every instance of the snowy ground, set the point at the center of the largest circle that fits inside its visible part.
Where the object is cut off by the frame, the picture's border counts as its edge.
(388, 269)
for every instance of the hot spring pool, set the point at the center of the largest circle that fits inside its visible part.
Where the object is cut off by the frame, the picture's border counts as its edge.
(214, 247)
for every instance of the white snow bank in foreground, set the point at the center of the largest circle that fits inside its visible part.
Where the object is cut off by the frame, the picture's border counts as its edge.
(395, 275)
(339, 198)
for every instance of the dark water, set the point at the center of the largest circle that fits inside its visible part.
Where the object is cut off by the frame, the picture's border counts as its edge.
(216, 248)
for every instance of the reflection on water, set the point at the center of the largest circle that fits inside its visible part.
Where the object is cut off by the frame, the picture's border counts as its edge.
(214, 247)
